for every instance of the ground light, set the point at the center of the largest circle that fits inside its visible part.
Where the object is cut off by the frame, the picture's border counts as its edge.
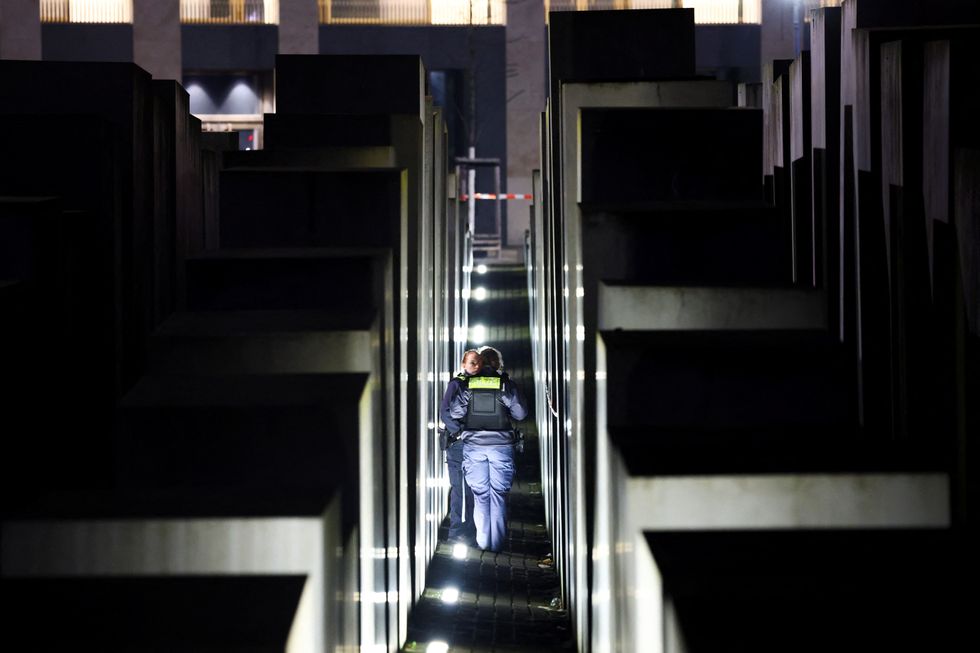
(478, 334)
(460, 550)
(437, 647)
(450, 595)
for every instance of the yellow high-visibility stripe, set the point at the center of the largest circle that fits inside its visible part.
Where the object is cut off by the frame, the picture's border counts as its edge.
(484, 383)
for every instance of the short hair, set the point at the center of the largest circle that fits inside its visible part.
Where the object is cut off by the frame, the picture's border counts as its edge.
(471, 351)
(491, 357)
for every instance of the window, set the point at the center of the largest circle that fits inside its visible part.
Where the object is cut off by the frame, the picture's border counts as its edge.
(705, 11)
(86, 11)
(230, 12)
(413, 12)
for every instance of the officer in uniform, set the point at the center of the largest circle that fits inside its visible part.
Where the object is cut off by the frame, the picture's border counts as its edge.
(485, 408)
(460, 531)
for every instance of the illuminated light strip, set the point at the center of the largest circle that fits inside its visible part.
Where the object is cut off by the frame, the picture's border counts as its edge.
(493, 196)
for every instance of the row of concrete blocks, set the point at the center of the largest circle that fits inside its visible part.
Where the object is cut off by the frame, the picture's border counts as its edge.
(706, 422)
(112, 183)
(275, 433)
(871, 156)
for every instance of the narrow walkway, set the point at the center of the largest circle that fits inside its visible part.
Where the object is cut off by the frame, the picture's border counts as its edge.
(508, 601)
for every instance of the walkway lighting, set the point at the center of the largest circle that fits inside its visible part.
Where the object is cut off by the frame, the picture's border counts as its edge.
(480, 294)
(478, 334)
(450, 595)
(437, 647)
(460, 550)
(481, 269)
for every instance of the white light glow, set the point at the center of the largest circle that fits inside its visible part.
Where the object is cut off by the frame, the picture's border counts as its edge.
(478, 334)
(373, 553)
(459, 551)
(437, 647)
(480, 294)
(450, 595)
(481, 269)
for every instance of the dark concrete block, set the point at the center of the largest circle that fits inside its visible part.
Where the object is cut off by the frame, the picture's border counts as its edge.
(251, 613)
(825, 62)
(268, 342)
(355, 84)
(800, 171)
(312, 158)
(776, 127)
(178, 227)
(213, 145)
(29, 232)
(750, 95)
(298, 208)
(120, 92)
(621, 45)
(284, 433)
(670, 155)
(108, 173)
(835, 586)
(219, 141)
(878, 14)
(951, 103)
(285, 279)
(729, 383)
(966, 203)
(726, 245)
(60, 317)
(307, 131)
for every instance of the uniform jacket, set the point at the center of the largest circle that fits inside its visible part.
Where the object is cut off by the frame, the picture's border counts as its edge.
(456, 386)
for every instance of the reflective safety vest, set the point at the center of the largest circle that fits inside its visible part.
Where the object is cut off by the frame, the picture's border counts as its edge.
(485, 411)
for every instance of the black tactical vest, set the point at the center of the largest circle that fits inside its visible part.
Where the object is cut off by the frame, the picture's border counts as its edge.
(485, 411)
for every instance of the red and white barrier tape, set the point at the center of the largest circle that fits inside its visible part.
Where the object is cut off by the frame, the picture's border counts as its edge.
(493, 196)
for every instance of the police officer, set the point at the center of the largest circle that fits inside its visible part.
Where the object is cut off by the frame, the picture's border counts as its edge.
(485, 408)
(459, 531)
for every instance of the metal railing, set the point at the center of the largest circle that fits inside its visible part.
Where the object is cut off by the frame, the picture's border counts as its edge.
(413, 12)
(706, 12)
(230, 12)
(86, 11)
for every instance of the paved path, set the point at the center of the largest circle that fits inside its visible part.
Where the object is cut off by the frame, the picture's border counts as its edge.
(508, 601)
